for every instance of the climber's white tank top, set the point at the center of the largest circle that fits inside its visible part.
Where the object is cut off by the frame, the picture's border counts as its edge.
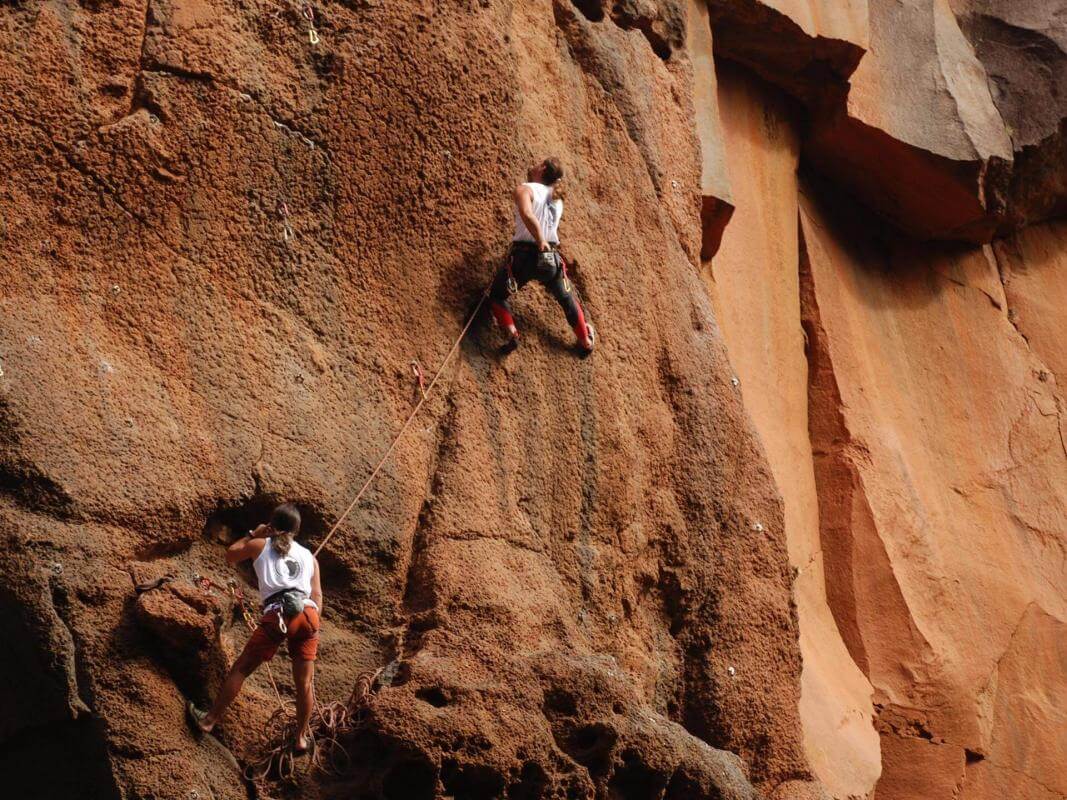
(547, 211)
(277, 573)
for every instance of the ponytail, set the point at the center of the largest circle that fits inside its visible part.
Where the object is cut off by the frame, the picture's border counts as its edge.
(286, 524)
(281, 543)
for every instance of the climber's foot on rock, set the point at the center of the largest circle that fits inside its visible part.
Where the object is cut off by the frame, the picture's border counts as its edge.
(199, 719)
(304, 745)
(587, 344)
(513, 340)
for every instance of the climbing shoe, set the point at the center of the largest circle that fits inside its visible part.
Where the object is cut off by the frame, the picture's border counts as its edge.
(590, 339)
(511, 344)
(195, 716)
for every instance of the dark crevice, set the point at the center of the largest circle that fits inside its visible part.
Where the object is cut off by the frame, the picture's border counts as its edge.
(531, 784)
(471, 781)
(417, 595)
(589, 745)
(66, 759)
(231, 520)
(592, 10)
(633, 779)
(434, 695)
(413, 779)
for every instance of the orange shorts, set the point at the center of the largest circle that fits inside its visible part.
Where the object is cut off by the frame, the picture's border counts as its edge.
(302, 637)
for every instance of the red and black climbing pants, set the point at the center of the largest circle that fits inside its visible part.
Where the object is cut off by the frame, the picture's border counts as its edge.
(526, 263)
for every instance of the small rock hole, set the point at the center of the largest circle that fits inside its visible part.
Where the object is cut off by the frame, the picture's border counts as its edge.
(471, 781)
(558, 701)
(592, 10)
(434, 695)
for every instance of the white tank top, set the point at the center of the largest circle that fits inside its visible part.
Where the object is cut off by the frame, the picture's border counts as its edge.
(547, 211)
(277, 573)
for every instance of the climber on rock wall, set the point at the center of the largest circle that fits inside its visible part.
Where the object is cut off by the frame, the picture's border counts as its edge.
(534, 254)
(291, 593)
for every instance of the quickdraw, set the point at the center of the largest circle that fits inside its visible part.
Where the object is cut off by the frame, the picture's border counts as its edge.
(513, 285)
(205, 583)
(309, 15)
(567, 285)
(416, 370)
(287, 228)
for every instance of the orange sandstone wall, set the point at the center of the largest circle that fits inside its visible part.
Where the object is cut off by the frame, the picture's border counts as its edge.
(941, 463)
(797, 530)
(754, 281)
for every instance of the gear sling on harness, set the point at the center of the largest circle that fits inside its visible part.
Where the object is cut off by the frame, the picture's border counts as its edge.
(288, 604)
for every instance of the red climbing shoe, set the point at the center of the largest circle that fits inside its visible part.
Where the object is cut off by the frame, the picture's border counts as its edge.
(589, 342)
(512, 342)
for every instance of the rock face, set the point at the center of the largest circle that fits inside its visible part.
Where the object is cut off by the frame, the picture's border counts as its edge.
(919, 468)
(810, 47)
(796, 530)
(224, 249)
(755, 286)
(1023, 48)
(919, 138)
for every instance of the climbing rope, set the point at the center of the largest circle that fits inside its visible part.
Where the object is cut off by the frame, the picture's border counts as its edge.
(407, 424)
(328, 725)
(425, 396)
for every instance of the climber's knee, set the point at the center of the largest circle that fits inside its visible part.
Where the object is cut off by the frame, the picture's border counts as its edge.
(246, 664)
(564, 295)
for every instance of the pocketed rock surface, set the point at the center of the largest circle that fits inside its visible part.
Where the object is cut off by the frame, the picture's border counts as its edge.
(797, 529)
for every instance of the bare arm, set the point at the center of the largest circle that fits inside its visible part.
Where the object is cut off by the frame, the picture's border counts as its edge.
(316, 586)
(524, 203)
(248, 546)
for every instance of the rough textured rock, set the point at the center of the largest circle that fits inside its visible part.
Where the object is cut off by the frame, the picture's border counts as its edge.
(173, 363)
(797, 530)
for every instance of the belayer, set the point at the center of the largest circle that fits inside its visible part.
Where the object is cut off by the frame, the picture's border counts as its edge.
(291, 592)
(534, 254)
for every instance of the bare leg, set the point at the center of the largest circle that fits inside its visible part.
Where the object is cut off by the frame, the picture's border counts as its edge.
(304, 680)
(231, 687)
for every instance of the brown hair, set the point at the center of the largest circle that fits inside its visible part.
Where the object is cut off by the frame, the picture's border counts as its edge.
(285, 520)
(553, 171)
(553, 176)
